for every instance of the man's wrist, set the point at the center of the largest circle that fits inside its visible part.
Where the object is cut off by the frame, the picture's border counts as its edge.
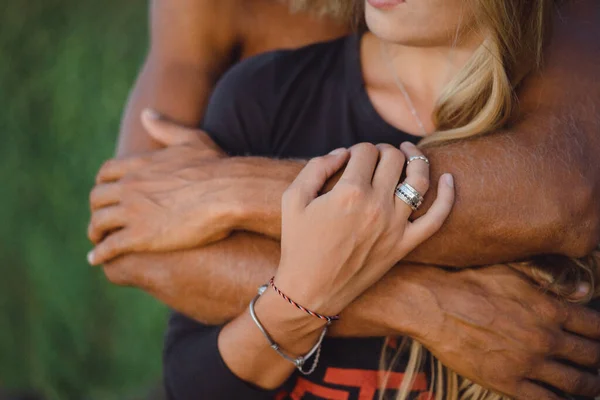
(258, 205)
(400, 304)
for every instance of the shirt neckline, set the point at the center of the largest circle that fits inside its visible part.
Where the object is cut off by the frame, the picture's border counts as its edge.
(359, 97)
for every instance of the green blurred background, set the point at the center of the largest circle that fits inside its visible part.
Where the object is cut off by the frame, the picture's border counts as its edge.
(65, 71)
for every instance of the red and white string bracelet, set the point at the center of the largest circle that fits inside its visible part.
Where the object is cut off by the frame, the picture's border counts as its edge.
(329, 319)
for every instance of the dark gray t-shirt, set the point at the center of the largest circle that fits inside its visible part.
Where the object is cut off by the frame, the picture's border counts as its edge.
(287, 104)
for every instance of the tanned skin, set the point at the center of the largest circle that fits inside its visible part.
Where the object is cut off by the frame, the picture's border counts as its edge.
(193, 42)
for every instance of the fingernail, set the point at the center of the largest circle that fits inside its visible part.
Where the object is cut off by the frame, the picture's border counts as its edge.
(449, 179)
(335, 152)
(90, 257)
(407, 144)
(150, 113)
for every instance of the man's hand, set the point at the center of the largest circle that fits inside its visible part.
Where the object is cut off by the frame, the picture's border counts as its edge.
(186, 195)
(492, 326)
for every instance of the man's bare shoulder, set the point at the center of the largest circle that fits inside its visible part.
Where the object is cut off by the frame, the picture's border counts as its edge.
(195, 31)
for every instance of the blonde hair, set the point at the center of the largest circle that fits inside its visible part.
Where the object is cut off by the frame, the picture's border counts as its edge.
(481, 98)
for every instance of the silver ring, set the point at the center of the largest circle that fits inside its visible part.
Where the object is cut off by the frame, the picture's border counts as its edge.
(422, 158)
(409, 195)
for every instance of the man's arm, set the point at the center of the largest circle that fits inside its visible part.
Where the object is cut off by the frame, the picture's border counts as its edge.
(539, 181)
(191, 44)
(490, 307)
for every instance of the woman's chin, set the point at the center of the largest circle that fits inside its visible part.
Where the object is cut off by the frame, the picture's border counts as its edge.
(389, 30)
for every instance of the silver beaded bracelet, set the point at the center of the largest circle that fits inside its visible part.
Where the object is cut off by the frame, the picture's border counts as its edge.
(299, 361)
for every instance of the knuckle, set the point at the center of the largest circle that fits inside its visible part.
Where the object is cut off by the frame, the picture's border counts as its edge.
(366, 148)
(549, 310)
(546, 341)
(394, 153)
(352, 192)
(316, 161)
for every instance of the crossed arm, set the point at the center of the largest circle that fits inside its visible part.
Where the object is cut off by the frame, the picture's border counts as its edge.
(529, 190)
(523, 209)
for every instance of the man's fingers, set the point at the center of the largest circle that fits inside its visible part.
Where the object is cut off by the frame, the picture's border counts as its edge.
(424, 227)
(104, 195)
(567, 379)
(104, 221)
(582, 321)
(169, 133)
(575, 292)
(360, 168)
(578, 350)
(113, 170)
(116, 244)
(530, 390)
(313, 176)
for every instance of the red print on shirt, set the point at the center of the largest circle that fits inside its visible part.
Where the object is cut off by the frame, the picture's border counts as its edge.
(367, 381)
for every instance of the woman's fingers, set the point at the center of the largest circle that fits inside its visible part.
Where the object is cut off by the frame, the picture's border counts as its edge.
(360, 168)
(417, 171)
(424, 227)
(312, 178)
(104, 221)
(389, 169)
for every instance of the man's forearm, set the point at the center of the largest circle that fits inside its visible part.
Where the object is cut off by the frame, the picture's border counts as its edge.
(215, 284)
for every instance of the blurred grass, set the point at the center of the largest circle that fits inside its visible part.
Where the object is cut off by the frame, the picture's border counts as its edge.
(65, 71)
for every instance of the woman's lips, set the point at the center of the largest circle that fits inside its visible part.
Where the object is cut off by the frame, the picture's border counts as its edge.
(385, 4)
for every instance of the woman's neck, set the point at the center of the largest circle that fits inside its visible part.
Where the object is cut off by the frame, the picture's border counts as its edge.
(423, 71)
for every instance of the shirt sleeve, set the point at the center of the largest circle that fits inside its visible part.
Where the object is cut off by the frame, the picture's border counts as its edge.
(237, 118)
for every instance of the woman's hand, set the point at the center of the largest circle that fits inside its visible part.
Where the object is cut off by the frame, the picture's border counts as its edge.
(328, 240)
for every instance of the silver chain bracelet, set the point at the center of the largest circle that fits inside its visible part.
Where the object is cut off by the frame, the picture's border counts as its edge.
(299, 361)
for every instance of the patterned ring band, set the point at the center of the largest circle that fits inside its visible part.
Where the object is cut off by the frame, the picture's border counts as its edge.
(422, 158)
(409, 195)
